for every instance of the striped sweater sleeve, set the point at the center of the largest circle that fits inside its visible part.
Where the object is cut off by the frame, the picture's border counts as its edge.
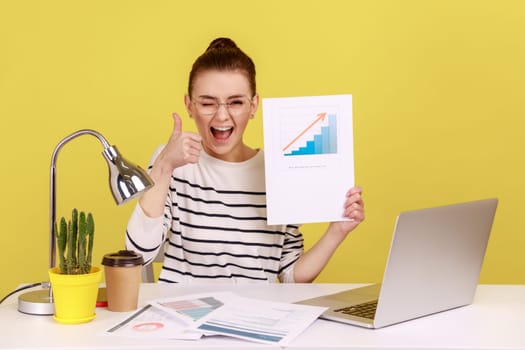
(293, 248)
(144, 234)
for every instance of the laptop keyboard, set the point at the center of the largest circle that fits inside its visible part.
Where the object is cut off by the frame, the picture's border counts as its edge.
(365, 310)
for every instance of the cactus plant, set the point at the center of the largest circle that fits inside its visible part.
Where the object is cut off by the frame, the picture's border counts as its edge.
(75, 243)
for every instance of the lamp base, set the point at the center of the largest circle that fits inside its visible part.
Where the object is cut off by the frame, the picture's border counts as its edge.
(37, 302)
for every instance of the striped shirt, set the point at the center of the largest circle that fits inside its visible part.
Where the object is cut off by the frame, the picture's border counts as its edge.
(215, 228)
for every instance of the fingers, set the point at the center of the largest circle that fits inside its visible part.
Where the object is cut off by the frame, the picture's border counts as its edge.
(177, 128)
(354, 190)
(191, 147)
(354, 205)
(177, 123)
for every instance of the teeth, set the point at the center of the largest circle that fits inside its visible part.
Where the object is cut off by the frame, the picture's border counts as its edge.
(222, 128)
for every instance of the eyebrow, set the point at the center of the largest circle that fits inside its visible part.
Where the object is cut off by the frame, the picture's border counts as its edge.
(216, 98)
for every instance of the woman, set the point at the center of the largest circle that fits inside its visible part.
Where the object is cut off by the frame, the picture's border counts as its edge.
(209, 200)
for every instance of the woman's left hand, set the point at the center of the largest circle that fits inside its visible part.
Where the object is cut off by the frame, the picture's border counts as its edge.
(354, 210)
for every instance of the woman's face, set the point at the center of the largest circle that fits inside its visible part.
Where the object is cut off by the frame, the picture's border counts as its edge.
(221, 104)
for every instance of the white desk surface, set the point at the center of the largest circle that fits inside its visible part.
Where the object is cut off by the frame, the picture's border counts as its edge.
(495, 320)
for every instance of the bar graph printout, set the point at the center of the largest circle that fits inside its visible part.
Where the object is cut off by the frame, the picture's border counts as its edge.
(309, 157)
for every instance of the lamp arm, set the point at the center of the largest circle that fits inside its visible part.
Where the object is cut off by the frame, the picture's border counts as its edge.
(127, 181)
(52, 194)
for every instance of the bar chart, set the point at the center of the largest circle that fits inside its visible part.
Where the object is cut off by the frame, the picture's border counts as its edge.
(311, 141)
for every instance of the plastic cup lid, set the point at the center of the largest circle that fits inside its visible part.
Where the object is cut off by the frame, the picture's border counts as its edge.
(123, 258)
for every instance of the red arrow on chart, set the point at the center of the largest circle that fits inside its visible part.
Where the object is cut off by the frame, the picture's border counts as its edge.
(320, 117)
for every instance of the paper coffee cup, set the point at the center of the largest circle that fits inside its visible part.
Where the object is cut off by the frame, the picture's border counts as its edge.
(122, 271)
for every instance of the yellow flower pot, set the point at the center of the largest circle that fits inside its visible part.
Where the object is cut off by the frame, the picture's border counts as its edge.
(75, 296)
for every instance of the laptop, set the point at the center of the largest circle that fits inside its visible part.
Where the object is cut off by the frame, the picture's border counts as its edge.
(433, 265)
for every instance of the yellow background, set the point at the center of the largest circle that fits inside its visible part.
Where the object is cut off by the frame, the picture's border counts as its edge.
(438, 91)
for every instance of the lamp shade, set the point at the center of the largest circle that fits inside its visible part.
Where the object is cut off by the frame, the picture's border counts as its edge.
(126, 179)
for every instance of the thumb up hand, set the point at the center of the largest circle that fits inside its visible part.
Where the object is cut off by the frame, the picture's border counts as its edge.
(182, 147)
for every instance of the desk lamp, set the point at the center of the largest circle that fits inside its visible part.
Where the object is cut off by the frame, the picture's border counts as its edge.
(126, 181)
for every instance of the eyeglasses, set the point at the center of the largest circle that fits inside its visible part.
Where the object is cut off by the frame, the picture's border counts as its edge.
(236, 106)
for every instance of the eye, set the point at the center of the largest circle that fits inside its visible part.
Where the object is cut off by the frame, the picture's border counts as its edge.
(236, 103)
(207, 103)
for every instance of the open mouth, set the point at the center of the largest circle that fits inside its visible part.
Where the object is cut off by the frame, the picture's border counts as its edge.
(221, 133)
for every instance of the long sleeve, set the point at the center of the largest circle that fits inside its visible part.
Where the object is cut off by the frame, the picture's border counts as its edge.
(144, 234)
(293, 248)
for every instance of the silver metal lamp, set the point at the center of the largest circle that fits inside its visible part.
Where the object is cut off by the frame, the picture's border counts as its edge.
(126, 180)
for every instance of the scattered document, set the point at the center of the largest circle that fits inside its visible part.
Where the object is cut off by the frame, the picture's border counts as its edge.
(225, 313)
(309, 157)
(260, 321)
(150, 322)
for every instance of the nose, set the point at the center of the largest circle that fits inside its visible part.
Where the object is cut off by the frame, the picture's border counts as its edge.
(222, 112)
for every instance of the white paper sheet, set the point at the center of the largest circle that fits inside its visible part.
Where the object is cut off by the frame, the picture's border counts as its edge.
(150, 322)
(259, 320)
(309, 157)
